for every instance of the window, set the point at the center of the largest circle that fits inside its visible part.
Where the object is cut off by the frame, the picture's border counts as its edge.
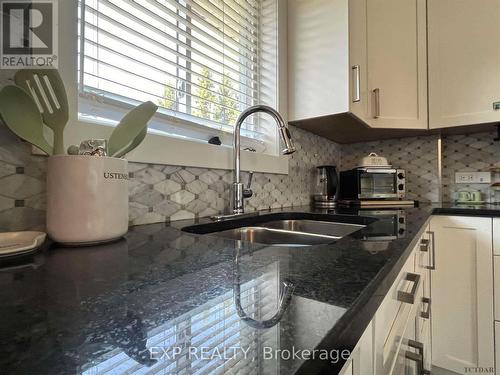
(202, 61)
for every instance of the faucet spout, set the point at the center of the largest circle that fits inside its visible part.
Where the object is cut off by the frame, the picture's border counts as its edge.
(237, 189)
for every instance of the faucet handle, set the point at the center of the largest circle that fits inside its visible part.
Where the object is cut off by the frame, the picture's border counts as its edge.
(247, 192)
(250, 177)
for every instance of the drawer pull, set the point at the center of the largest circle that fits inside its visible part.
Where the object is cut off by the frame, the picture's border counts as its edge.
(409, 297)
(426, 314)
(424, 245)
(376, 93)
(432, 266)
(417, 357)
(356, 83)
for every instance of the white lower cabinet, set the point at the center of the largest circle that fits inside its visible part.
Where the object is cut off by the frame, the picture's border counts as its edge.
(440, 309)
(497, 287)
(496, 236)
(462, 293)
(348, 368)
(361, 361)
(497, 346)
(402, 346)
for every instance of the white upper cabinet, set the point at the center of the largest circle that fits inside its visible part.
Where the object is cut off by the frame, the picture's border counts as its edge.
(464, 62)
(397, 63)
(318, 58)
(359, 57)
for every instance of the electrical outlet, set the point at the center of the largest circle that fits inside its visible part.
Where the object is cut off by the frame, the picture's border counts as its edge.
(472, 177)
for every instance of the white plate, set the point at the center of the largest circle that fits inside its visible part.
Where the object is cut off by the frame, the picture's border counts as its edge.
(13, 243)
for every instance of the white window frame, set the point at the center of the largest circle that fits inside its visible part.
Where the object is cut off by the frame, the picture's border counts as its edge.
(161, 149)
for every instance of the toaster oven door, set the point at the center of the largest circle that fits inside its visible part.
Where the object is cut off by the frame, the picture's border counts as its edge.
(378, 183)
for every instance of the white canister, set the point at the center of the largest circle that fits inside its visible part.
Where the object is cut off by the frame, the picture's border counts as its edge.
(87, 199)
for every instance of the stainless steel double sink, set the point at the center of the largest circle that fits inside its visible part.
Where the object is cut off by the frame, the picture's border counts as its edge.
(285, 229)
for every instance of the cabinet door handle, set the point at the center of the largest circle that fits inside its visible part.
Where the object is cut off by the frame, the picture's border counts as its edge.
(432, 266)
(409, 297)
(426, 314)
(424, 245)
(417, 357)
(356, 79)
(376, 93)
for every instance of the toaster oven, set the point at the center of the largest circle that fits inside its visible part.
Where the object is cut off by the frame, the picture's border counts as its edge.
(372, 183)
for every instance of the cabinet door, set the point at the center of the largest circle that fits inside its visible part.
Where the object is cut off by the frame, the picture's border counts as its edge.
(464, 62)
(318, 58)
(363, 353)
(496, 260)
(347, 369)
(497, 346)
(359, 93)
(397, 63)
(496, 236)
(462, 290)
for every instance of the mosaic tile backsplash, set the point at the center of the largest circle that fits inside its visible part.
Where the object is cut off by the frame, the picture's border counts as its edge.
(416, 155)
(468, 153)
(162, 192)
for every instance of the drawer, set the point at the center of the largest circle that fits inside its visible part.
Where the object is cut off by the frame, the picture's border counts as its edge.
(401, 342)
(424, 309)
(497, 346)
(496, 277)
(391, 305)
(347, 369)
(424, 251)
(395, 319)
(496, 235)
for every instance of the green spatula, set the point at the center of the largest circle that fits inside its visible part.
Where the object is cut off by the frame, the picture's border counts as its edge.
(21, 115)
(131, 130)
(47, 90)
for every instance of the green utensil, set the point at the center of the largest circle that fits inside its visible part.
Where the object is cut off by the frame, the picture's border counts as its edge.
(21, 115)
(136, 142)
(130, 128)
(47, 90)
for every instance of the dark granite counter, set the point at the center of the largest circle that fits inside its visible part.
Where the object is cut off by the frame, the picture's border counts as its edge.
(161, 301)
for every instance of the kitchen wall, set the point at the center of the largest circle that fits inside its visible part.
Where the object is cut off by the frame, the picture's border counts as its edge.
(467, 153)
(417, 155)
(159, 192)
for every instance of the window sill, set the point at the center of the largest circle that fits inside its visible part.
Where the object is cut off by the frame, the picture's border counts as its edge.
(159, 149)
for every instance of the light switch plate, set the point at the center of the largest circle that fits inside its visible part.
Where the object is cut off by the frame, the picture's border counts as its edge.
(472, 177)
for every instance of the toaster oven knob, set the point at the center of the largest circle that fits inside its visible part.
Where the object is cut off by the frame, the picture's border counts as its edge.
(401, 220)
(401, 187)
(401, 175)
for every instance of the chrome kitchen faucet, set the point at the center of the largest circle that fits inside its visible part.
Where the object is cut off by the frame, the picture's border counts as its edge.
(238, 192)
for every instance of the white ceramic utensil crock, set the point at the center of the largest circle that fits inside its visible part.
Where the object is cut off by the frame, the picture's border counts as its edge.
(87, 199)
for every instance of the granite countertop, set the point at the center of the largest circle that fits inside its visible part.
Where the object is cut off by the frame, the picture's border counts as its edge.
(160, 300)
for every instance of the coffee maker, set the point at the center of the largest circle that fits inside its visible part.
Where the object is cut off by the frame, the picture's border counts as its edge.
(326, 187)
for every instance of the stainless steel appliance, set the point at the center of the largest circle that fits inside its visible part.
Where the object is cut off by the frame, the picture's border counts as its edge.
(391, 225)
(367, 183)
(326, 188)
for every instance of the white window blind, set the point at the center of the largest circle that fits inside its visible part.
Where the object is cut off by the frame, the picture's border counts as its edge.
(201, 61)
